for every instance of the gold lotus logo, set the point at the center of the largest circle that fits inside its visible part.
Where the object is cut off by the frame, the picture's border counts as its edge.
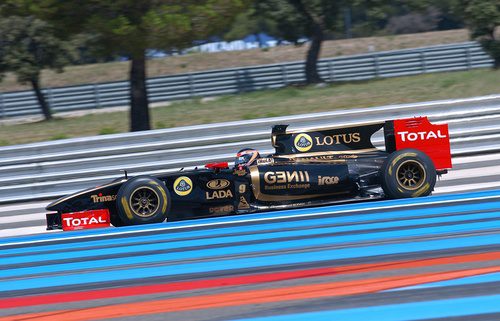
(183, 186)
(303, 142)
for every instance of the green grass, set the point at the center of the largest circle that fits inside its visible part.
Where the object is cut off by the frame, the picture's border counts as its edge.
(269, 103)
(107, 131)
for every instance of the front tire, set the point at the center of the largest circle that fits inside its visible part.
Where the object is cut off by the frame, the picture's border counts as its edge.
(408, 173)
(143, 200)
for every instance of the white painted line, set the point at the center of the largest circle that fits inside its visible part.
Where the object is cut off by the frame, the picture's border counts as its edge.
(467, 187)
(474, 159)
(22, 218)
(21, 231)
(472, 173)
(16, 207)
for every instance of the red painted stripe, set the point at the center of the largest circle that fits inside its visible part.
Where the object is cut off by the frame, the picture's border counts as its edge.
(263, 296)
(238, 280)
(159, 288)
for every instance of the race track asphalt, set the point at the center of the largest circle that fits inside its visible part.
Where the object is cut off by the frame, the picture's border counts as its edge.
(433, 258)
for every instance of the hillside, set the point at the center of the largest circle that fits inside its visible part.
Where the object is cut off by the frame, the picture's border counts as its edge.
(114, 71)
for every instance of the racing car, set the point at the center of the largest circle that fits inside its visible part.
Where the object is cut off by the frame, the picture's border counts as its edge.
(309, 167)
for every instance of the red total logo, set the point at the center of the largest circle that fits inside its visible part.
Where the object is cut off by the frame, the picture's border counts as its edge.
(85, 220)
(412, 136)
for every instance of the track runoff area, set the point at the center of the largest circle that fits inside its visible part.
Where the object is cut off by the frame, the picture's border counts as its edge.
(432, 258)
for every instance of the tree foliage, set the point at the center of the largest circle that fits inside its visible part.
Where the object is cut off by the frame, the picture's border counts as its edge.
(251, 22)
(301, 18)
(129, 27)
(317, 20)
(483, 20)
(28, 45)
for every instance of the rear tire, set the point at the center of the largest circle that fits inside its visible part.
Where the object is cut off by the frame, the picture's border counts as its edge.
(408, 173)
(143, 200)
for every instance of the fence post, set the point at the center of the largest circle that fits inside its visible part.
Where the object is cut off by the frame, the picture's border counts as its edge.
(238, 81)
(191, 85)
(331, 72)
(97, 97)
(468, 57)
(284, 75)
(422, 62)
(51, 99)
(2, 107)
(377, 67)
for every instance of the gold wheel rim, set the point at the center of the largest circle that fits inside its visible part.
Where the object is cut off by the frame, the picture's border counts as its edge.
(144, 201)
(411, 175)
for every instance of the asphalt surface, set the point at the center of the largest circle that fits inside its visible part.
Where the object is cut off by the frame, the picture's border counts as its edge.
(388, 260)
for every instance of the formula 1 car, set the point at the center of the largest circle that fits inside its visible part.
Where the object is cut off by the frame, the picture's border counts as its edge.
(308, 168)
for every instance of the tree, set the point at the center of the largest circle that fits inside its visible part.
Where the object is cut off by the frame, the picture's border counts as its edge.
(299, 18)
(129, 27)
(251, 22)
(28, 45)
(414, 22)
(482, 17)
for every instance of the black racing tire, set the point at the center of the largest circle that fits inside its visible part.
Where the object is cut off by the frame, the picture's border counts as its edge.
(143, 200)
(408, 173)
(116, 221)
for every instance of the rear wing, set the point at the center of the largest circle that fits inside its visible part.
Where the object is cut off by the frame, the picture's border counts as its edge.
(417, 133)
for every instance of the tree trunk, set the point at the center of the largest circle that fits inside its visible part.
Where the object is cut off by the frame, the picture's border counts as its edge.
(139, 105)
(315, 25)
(312, 75)
(41, 98)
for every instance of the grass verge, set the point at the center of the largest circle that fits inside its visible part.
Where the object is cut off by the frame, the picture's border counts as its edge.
(269, 103)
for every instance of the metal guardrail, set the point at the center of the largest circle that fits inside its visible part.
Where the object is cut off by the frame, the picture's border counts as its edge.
(460, 56)
(50, 169)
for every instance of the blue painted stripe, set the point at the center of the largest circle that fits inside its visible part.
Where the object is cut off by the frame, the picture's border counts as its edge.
(288, 213)
(262, 227)
(485, 278)
(245, 249)
(401, 312)
(252, 262)
(306, 231)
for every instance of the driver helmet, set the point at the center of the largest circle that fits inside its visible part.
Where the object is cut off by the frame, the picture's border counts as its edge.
(246, 157)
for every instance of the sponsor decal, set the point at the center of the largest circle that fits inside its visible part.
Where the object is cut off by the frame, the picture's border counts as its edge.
(338, 139)
(419, 133)
(85, 220)
(303, 142)
(220, 194)
(411, 137)
(286, 180)
(322, 157)
(328, 180)
(265, 161)
(183, 186)
(99, 198)
(218, 184)
(221, 210)
(240, 172)
(243, 204)
(286, 177)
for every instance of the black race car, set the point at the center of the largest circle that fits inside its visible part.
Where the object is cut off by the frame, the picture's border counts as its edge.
(309, 167)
